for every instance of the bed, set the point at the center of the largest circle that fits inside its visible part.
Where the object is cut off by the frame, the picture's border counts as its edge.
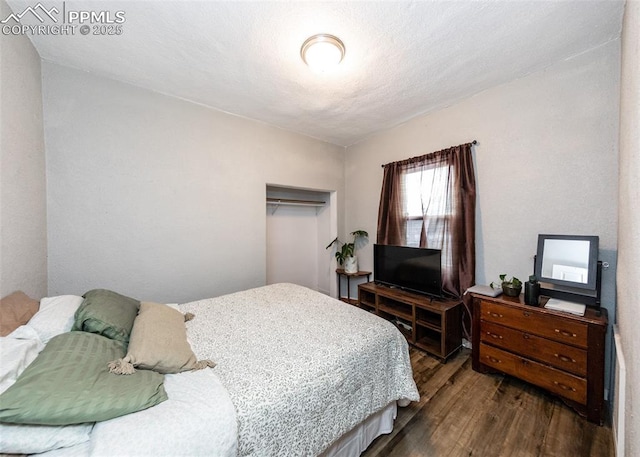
(297, 374)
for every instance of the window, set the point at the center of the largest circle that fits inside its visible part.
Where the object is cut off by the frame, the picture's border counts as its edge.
(427, 209)
(429, 201)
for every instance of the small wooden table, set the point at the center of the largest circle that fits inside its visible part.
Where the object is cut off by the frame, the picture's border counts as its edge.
(340, 272)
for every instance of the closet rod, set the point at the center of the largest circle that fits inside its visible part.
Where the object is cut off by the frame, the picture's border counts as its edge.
(288, 201)
(473, 142)
(276, 202)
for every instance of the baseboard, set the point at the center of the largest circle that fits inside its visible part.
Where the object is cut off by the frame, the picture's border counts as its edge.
(619, 394)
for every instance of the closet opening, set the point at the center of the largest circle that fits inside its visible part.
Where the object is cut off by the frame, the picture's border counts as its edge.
(300, 224)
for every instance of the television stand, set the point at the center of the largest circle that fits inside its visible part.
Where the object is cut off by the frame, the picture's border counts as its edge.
(433, 325)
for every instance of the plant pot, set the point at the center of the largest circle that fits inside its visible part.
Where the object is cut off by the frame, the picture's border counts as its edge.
(511, 291)
(351, 265)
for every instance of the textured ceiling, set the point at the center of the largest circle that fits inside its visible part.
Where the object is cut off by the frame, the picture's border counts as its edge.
(402, 58)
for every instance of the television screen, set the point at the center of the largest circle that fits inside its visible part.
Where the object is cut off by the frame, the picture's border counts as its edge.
(567, 260)
(414, 269)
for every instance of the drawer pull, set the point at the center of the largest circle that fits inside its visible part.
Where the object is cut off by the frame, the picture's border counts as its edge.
(494, 336)
(526, 313)
(494, 314)
(493, 359)
(565, 333)
(564, 358)
(526, 336)
(564, 386)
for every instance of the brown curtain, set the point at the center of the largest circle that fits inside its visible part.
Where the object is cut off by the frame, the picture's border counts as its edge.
(391, 220)
(441, 217)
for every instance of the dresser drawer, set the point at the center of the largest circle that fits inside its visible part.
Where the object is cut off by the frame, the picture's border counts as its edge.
(562, 356)
(556, 381)
(535, 322)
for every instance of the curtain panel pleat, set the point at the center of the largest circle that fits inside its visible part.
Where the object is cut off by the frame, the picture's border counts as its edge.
(446, 182)
(391, 220)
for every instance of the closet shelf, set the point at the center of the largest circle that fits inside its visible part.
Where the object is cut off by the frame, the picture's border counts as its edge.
(276, 202)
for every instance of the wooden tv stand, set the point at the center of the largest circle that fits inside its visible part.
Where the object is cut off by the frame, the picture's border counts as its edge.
(433, 325)
(559, 352)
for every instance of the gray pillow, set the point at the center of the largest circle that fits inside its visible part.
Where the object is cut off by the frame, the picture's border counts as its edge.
(107, 313)
(69, 383)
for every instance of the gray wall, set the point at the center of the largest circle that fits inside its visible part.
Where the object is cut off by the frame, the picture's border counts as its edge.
(23, 216)
(159, 198)
(629, 221)
(546, 162)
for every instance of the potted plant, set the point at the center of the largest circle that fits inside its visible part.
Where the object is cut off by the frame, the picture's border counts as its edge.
(510, 287)
(346, 252)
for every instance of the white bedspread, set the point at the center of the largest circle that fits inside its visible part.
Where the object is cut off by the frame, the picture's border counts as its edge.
(295, 371)
(301, 368)
(197, 419)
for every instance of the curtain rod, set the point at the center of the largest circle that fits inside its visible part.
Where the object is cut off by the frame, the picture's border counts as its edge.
(473, 142)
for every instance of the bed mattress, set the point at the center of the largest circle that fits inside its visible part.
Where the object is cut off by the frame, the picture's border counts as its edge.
(298, 374)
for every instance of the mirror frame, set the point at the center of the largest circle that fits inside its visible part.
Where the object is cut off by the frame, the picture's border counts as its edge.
(591, 284)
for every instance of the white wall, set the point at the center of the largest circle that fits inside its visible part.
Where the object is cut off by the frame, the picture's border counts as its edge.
(629, 221)
(159, 198)
(23, 216)
(546, 162)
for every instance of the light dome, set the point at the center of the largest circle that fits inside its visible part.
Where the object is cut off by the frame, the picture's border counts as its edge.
(322, 52)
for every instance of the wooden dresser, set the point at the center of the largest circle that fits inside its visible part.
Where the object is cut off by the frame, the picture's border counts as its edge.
(557, 351)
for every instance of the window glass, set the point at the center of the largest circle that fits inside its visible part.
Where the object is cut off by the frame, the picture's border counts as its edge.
(426, 205)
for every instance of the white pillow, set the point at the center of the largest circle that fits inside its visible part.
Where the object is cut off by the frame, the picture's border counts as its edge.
(16, 354)
(17, 351)
(56, 316)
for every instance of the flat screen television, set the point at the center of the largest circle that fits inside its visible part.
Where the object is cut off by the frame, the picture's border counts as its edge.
(414, 269)
(567, 260)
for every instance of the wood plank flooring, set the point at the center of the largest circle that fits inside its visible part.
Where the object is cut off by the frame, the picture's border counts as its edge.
(464, 413)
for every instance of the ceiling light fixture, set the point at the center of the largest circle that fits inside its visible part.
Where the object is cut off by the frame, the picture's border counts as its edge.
(322, 52)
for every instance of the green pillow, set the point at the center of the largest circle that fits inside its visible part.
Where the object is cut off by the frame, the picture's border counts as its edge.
(69, 383)
(107, 313)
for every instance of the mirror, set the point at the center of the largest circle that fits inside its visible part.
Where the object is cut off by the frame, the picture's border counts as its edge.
(567, 260)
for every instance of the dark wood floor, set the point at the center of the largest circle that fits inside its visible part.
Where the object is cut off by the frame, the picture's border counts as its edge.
(464, 413)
